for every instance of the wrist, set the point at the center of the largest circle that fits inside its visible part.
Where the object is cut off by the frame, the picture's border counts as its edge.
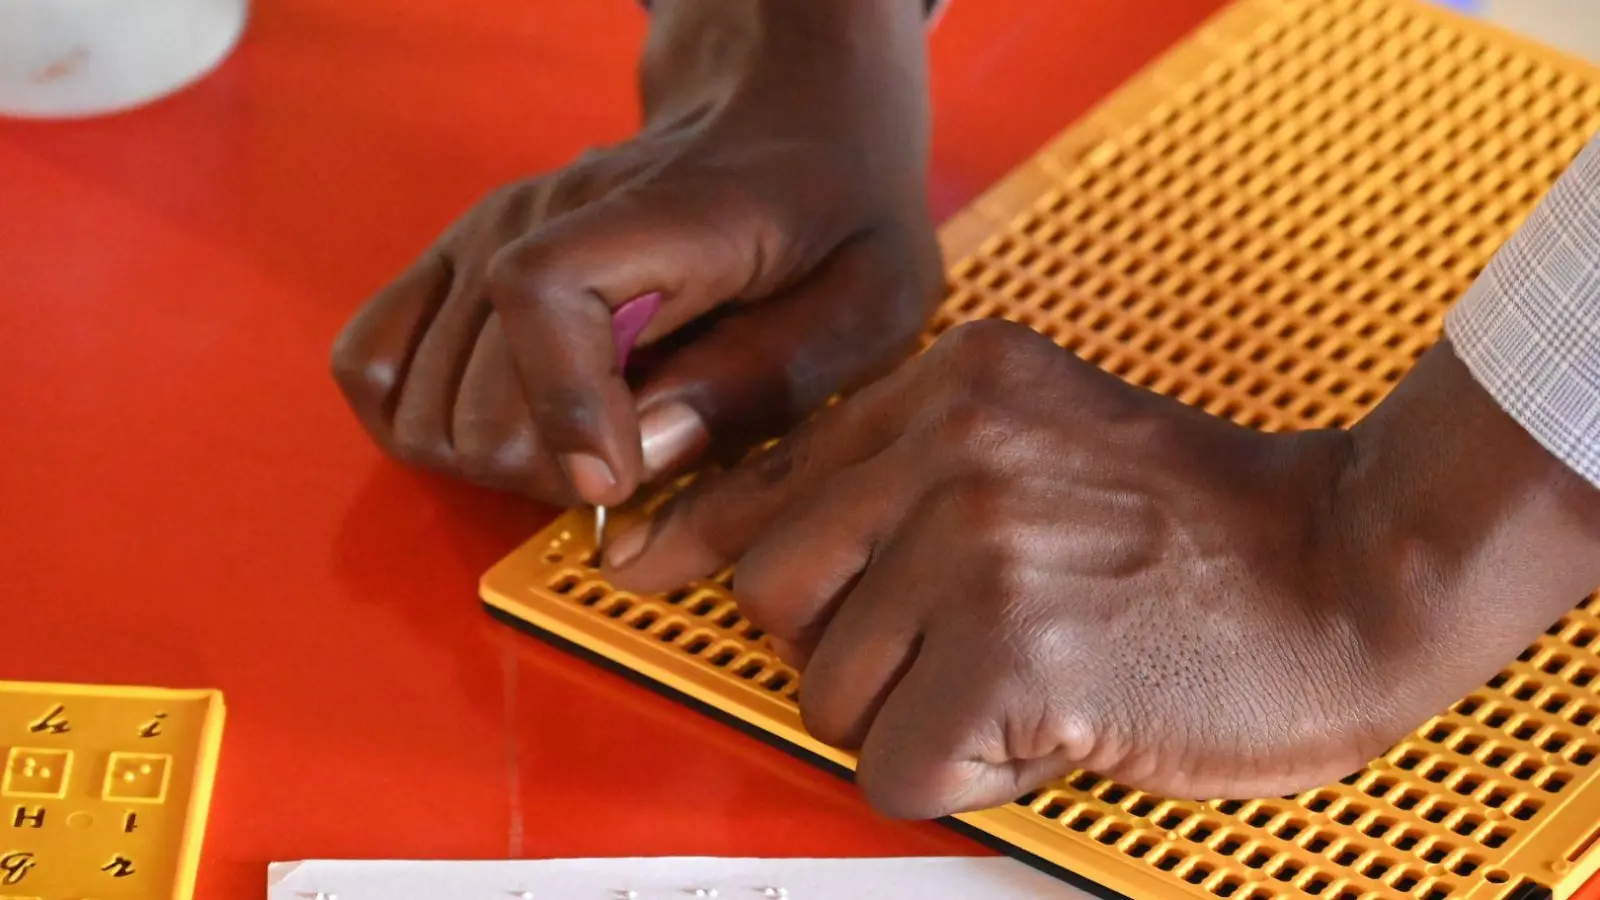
(830, 69)
(1479, 536)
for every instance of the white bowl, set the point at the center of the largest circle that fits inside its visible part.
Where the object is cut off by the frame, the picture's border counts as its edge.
(75, 58)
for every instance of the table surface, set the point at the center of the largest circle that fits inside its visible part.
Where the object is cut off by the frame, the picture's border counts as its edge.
(185, 501)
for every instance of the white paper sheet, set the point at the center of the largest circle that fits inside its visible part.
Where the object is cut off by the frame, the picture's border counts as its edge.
(674, 878)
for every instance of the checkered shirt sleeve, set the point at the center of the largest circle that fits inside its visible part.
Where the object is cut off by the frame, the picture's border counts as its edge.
(1529, 328)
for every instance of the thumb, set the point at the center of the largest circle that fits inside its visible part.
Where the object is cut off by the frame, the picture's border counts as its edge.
(556, 290)
(764, 367)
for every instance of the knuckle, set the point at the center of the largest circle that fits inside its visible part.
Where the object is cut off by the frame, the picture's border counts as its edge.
(419, 443)
(495, 460)
(972, 427)
(524, 271)
(981, 341)
(366, 379)
(821, 717)
(891, 794)
(999, 357)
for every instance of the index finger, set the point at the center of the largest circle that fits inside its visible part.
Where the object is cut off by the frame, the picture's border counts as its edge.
(723, 514)
(558, 288)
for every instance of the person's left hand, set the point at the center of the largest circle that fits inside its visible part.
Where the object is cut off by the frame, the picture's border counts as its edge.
(1001, 564)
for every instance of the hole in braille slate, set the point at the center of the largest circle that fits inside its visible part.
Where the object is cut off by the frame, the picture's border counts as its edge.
(1197, 874)
(1083, 821)
(1377, 868)
(1467, 825)
(1526, 692)
(621, 607)
(1496, 798)
(1229, 846)
(1468, 745)
(1468, 706)
(1409, 761)
(1288, 871)
(1141, 848)
(1555, 743)
(1497, 838)
(1525, 731)
(1257, 859)
(1556, 783)
(1318, 844)
(1200, 832)
(1497, 719)
(1168, 861)
(1405, 841)
(644, 621)
(1406, 882)
(670, 633)
(564, 584)
(1142, 807)
(1085, 781)
(1171, 821)
(1054, 809)
(1466, 866)
(1583, 677)
(1437, 853)
(1112, 835)
(1407, 800)
(698, 645)
(1583, 757)
(1555, 703)
(778, 683)
(1114, 794)
(724, 656)
(1583, 716)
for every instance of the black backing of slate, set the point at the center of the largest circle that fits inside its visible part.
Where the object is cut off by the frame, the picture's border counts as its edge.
(766, 737)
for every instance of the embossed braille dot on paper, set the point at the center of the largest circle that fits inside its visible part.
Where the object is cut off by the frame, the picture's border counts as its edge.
(1269, 224)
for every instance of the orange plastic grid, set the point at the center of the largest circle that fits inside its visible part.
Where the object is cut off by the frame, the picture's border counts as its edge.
(1269, 224)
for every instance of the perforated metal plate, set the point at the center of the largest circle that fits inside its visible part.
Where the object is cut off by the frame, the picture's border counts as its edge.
(1269, 224)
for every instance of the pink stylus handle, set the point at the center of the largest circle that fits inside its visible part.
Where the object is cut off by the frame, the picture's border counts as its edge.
(628, 322)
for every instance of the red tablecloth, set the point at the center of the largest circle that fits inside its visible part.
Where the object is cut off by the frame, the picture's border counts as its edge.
(184, 500)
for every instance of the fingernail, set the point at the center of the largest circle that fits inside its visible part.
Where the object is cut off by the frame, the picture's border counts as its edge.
(590, 475)
(672, 434)
(627, 546)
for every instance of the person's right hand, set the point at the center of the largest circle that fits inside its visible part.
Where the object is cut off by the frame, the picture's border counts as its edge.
(774, 199)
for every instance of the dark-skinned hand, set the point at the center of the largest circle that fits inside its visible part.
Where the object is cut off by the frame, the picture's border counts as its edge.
(1000, 564)
(774, 199)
